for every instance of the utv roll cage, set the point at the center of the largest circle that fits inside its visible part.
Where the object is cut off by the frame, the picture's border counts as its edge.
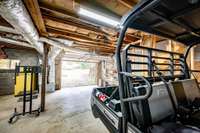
(173, 19)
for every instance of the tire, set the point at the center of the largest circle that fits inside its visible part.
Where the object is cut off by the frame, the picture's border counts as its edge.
(94, 112)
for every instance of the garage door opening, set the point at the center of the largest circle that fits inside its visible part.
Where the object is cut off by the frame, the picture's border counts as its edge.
(76, 74)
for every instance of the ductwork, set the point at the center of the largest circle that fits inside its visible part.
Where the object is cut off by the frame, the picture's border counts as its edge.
(8, 29)
(64, 41)
(16, 14)
(54, 52)
(15, 42)
(66, 45)
(60, 43)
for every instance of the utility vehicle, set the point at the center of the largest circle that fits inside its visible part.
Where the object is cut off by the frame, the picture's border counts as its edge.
(150, 99)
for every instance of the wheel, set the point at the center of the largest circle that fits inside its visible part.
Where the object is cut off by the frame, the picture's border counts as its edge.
(94, 112)
(10, 121)
(38, 112)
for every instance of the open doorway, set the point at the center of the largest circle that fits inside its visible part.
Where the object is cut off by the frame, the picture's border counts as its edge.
(75, 73)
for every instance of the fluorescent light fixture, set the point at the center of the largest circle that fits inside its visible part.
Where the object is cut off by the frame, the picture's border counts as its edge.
(98, 17)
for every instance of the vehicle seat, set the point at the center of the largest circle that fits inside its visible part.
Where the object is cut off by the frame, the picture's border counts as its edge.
(160, 103)
(157, 108)
(186, 91)
(188, 98)
(157, 114)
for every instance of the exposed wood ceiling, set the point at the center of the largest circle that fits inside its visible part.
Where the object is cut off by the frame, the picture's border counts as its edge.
(60, 19)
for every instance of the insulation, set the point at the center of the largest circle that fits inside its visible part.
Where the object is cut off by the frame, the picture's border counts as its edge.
(16, 14)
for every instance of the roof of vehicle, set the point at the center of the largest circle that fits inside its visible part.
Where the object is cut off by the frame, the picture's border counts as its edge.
(178, 20)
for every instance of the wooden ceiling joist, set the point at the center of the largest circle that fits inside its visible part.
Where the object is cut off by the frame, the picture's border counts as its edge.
(60, 32)
(34, 10)
(128, 3)
(52, 19)
(62, 17)
(82, 43)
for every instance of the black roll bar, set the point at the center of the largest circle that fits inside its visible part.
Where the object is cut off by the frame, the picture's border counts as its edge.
(149, 89)
(143, 6)
(185, 58)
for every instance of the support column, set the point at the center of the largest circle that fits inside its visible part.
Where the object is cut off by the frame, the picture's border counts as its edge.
(44, 76)
(98, 75)
(52, 56)
(58, 74)
(51, 75)
(192, 61)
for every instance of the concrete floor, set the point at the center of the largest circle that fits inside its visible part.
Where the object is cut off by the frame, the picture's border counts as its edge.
(68, 111)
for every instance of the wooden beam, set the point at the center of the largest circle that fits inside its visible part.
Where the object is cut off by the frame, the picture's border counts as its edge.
(128, 3)
(130, 38)
(71, 36)
(61, 17)
(192, 56)
(82, 42)
(66, 14)
(76, 28)
(34, 10)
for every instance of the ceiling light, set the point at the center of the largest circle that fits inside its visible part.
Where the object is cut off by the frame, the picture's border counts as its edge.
(98, 17)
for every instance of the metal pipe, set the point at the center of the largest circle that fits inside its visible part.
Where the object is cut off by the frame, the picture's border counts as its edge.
(148, 88)
(120, 78)
(16, 14)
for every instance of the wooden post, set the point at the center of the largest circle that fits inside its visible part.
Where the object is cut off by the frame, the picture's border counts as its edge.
(154, 39)
(98, 74)
(192, 60)
(44, 76)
